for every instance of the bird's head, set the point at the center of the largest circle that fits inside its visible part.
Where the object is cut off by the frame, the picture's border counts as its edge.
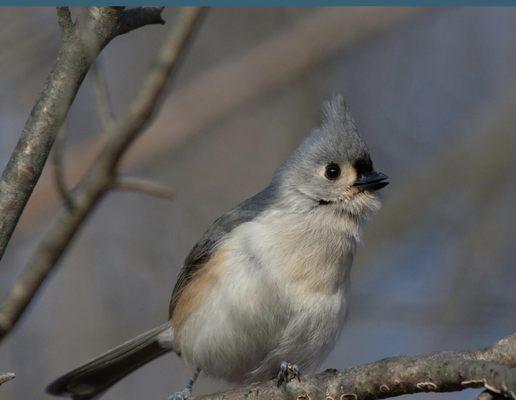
(332, 168)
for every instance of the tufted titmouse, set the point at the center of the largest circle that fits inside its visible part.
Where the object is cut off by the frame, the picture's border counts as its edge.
(267, 284)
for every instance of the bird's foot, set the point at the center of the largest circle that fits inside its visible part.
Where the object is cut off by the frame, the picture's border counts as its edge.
(181, 395)
(287, 372)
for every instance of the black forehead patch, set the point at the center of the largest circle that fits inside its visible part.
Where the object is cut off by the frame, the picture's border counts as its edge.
(363, 165)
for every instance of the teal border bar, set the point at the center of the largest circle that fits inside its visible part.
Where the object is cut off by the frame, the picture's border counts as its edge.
(267, 3)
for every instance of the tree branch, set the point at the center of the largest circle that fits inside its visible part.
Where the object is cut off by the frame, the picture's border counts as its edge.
(102, 100)
(102, 174)
(492, 368)
(81, 43)
(58, 168)
(145, 186)
(64, 19)
(6, 377)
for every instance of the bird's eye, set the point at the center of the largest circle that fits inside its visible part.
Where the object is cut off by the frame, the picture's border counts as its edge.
(332, 171)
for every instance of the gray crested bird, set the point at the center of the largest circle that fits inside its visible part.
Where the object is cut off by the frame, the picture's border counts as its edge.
(264, 292)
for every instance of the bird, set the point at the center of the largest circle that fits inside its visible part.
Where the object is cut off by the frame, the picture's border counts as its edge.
(264, 293)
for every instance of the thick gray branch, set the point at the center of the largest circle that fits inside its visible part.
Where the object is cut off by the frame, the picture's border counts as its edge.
(81, 44)
(492, 368)
(102, 174)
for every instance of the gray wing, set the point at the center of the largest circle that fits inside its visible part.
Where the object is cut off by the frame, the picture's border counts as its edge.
(202, 251)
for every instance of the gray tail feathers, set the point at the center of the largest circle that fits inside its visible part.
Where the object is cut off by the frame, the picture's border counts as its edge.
(98, 375)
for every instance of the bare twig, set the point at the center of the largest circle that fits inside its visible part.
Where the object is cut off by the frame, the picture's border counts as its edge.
(58, 168)
(102, 100)
(79, 48)
(143, 186)
(102, 174)
(6, 377)
(491, 368)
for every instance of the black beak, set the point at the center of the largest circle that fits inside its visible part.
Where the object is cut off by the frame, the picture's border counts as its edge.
(371, 181)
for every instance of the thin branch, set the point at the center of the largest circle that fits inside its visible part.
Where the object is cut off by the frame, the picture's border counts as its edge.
(145, 186)
(102, 174)
(6, 377)
(88, 36)
(64, 19)
(492, 368)
(138, 116)
(102, 100)
(59, 168)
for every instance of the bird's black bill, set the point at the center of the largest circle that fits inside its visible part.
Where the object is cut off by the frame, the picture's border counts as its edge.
(371, 181)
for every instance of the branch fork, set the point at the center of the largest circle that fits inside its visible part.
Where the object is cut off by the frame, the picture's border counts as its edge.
(82, 41)
(103, 174)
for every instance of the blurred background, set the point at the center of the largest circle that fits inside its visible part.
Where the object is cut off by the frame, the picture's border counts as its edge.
(434, 95)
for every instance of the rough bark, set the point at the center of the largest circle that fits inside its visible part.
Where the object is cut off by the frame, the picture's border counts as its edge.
(102, 176)
(82, 41)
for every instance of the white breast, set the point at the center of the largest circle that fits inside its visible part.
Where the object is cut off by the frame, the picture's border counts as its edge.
(282, 297)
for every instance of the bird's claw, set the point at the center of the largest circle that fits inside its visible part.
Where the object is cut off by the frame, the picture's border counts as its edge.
(287, 372)
(181, 395)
